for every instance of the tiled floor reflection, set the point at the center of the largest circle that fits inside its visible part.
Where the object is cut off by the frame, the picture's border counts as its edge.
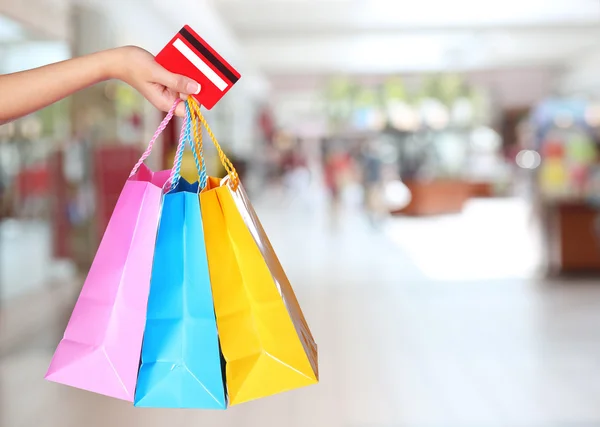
(397, 347)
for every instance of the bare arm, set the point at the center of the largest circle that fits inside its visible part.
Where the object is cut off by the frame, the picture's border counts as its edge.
(28, 91)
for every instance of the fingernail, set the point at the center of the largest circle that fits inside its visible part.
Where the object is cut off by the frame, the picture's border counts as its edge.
(193, 88)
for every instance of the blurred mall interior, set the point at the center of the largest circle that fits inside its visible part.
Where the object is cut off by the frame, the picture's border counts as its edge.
(428, 172)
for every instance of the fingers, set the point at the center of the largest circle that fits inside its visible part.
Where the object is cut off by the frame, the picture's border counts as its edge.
(163, 99)
(176, 82)
(158, 96)
(180, 110)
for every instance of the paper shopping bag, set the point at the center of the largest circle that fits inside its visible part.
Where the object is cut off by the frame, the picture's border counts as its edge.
(100, 350)
(101, 346)
(264, 336)
(265, 339)
(181, 360)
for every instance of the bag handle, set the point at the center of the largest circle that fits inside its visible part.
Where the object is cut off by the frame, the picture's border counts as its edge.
(200, 165)
(159, 130)
(197, 147)
(185, 135)
(233, 175)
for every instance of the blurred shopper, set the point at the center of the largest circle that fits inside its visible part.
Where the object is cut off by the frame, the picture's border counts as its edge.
(336, 167)
(372, 168)
(25, 92)
(296, 176)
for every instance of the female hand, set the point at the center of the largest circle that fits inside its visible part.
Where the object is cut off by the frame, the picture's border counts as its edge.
(139, 69)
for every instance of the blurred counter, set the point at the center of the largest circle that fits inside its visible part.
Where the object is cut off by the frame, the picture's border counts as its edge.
(572, 232)
(440, 197)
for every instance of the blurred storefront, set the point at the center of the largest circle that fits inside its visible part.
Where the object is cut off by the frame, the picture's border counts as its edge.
(31, 252)
(430, 144)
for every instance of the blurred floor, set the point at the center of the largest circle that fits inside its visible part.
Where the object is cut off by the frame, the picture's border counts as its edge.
(398, 346)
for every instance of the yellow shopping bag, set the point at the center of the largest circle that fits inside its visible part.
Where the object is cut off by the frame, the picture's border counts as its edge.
(264, 336)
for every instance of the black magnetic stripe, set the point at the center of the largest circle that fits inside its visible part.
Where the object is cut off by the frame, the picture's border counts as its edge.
(209, 56)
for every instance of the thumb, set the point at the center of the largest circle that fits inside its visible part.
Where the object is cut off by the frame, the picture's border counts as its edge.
(176, 82)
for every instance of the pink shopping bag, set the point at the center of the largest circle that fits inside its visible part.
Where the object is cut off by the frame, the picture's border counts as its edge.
(100, 351)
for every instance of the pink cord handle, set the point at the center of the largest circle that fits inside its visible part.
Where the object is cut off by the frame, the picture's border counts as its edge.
(161, 127)
(179, 152)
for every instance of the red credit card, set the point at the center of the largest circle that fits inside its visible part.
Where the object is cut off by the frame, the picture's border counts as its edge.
(189, 55)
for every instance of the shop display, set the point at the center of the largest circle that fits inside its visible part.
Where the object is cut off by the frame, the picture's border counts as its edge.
(554, 177)
(568, 184)
(567, 147)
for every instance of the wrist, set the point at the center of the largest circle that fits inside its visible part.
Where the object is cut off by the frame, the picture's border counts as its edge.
(112, 64)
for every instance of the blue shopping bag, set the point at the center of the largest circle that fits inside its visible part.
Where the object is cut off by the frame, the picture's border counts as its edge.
(181, 363)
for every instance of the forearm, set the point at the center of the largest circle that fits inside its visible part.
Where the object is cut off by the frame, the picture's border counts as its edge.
(28, 91)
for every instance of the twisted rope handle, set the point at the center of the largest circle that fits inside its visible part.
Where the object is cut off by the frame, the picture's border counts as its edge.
(200, 167)
(159, 130)
(198, 146)
(233, 175)
(186, 135)
(176, 170)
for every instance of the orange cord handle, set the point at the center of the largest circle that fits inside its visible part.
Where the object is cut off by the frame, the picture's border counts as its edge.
(197, 115)
(197, 132)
